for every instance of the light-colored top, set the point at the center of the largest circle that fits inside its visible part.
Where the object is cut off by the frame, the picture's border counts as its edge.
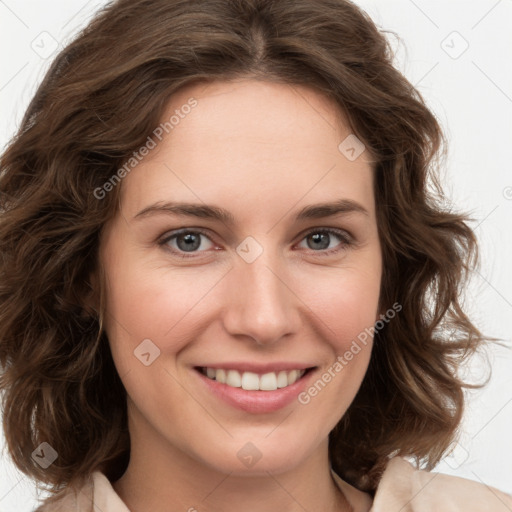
(402, 488)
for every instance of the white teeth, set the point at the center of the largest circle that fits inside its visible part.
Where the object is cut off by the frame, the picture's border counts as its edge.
(268, 382)
(282, 379)
(233, 379)
(252, 381)
(293, 377)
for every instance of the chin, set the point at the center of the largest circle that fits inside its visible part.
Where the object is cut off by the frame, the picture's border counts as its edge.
(258, 457)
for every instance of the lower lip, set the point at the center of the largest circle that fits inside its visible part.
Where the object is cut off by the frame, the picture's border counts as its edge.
(257, 402)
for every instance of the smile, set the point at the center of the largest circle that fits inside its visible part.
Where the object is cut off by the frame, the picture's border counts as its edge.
(251, 381)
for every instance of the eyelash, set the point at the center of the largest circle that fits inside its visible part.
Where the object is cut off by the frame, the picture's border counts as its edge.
(346, 240)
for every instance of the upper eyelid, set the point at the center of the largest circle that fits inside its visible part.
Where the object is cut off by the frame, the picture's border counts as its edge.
(168, 235)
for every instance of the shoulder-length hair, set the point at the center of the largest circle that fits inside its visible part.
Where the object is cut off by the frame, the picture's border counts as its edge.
(102, 96)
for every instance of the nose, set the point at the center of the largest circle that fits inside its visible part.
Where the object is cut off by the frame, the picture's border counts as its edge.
(262, 304)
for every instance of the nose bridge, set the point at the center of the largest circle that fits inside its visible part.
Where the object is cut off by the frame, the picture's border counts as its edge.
(263, 307)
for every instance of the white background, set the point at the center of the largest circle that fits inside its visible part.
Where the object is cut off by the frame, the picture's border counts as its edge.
(470, 92)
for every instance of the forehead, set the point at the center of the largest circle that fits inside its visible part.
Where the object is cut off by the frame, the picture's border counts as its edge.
(263, 140)
(257, 111)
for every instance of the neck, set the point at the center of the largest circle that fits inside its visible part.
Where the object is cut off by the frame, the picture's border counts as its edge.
(162, 478)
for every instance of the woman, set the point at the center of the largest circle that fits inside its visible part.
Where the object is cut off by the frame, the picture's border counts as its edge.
(171, 335)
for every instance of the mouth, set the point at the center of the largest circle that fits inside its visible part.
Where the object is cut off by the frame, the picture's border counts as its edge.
(255, 387)
(252, 381)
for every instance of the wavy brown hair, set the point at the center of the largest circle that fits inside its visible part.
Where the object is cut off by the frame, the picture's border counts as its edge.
(102, 96)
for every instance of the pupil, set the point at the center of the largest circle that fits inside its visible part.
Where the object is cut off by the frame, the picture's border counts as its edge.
(317, 237)
(192, 242)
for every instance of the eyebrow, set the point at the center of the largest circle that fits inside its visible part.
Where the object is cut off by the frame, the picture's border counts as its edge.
(205, 211)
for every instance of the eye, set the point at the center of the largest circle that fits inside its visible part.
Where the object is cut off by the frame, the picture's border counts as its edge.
(186, 241)
(319, 240)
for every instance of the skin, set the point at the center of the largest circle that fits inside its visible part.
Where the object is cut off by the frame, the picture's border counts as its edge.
(263, 151)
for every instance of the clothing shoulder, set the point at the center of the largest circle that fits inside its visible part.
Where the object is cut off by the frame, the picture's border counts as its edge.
(96, 493)
(71, 499)
(405, 488)
(402, 487)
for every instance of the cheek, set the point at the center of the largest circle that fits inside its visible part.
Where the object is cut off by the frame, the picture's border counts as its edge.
(345, 302)
(146, 301)
(345, 308)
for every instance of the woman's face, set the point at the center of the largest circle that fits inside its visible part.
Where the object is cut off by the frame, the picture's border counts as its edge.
(274, 286)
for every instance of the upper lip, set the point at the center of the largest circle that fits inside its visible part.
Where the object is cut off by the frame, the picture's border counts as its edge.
(261, 368)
